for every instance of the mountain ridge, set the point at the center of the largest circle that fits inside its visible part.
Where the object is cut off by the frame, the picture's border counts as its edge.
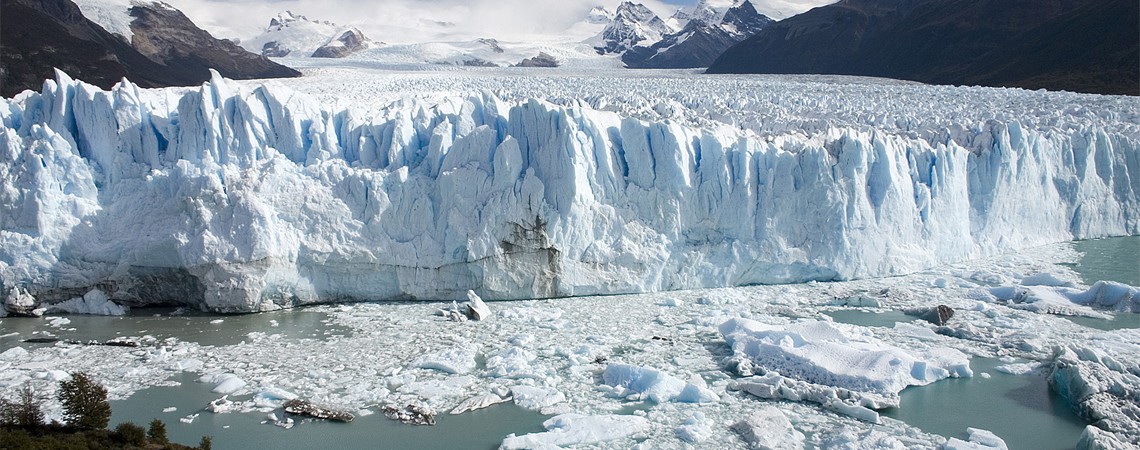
(955, 42)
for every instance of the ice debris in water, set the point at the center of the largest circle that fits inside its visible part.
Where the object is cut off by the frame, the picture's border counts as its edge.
(576, 429)
(768, 428)
(979, 440)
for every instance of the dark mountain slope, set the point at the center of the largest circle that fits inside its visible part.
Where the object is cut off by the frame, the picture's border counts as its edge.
(699, 43)
(1053, 44)
(39, 35)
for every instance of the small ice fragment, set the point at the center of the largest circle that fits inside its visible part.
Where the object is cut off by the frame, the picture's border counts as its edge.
(169, 409)
(769, 428)
(189, 419)
(217, 321)
(476, 309)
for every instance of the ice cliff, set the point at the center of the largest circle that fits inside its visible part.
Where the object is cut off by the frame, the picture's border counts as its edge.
(241, 198)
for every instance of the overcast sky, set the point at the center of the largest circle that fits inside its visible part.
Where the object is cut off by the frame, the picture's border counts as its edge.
(420, 20)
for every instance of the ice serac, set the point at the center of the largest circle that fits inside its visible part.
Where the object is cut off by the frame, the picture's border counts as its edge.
(235, 198)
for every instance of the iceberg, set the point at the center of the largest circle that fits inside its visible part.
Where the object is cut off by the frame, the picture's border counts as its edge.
(238, 197)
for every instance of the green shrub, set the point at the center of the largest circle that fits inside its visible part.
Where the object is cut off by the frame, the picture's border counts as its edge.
(157, 432)
(131, 434)
(85, 403)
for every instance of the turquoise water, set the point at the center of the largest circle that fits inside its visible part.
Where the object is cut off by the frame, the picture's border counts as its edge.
(481, 429)
(1018, 408)
(1112, 259)
(870, 318)
(166, 323)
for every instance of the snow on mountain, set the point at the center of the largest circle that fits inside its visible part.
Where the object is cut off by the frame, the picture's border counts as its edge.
(706, 34)
(599, 15)
(291, 34)
(633, 24)
(250, 198)
(113, 15)
(483, 52)
(707, 11)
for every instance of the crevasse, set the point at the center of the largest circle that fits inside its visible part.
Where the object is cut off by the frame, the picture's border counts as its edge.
(231, 198)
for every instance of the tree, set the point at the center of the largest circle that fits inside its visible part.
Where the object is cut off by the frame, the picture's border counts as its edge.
(85, 404)
(24, 412)
(207, 443)
(157, 432)
(129, 433)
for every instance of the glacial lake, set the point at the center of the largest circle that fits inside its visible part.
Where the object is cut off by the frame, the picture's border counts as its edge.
(1020, 409)
(481, 429)
(1112, 259)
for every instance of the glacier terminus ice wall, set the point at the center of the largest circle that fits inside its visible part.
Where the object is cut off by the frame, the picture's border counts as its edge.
(238, 198)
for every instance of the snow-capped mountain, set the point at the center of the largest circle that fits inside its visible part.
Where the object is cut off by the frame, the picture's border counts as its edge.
(295, 35)
(633, 24)
(103, 41)
(599, 15)
(708, 32)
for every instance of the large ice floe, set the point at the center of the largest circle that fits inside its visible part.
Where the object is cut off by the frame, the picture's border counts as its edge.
(237, 197)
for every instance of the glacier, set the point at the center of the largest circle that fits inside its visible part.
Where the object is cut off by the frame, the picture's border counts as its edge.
(242, 197)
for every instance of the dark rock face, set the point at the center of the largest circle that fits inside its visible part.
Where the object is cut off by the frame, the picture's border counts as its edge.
(349, 42)
(542, 60)
(938, 315)
(699, 43)
(1079, 45)
(168, 37)
(38, 36)
(274, 50)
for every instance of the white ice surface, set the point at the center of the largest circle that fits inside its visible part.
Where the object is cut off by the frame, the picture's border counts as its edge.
(523, 184)
(576, 429)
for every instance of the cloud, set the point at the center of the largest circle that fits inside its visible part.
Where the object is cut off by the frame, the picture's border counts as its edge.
(425, 20)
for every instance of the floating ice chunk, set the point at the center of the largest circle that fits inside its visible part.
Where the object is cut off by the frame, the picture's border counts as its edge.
(58, 321)
(1060, 300)
(94, 302)
(979, 440)
(189, 419)
(1045, 279)
(697, 393)
(189, 365)
(536, 398)
(477, 402)
(476, 309)
(695, 429)
(671, 301)
(576, 429)
(217, 321)
(1019, 368)
(819, 352)
(652, 384)
(768, 428)
(457, 360)
(169, 409)
(226, 383)
(55, 376)
(512, 362)
(13, 354)
(272, 397)
(221, 405)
